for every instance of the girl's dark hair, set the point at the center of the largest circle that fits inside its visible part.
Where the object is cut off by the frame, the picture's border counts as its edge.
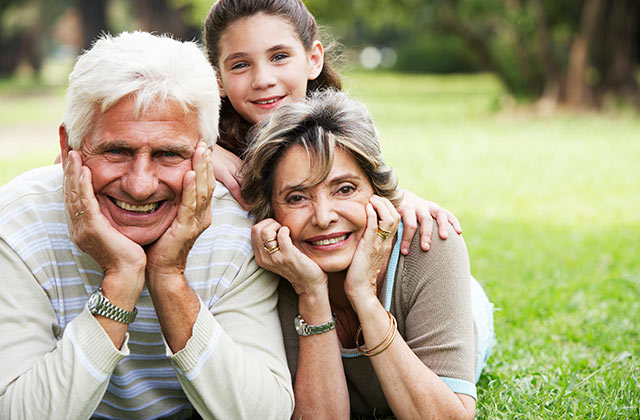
(233, 128)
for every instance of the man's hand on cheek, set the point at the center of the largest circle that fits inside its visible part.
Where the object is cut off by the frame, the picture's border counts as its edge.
(168, 255)
(91, 230)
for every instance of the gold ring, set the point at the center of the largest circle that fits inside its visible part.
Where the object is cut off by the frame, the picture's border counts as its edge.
(265, 243)
(79, 213)
(384, 234)
(272, 249)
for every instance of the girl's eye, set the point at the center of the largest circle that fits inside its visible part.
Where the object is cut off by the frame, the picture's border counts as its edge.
(279, 56)
(238, 66)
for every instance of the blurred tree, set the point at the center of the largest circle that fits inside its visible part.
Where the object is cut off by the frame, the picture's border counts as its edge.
(94, 19)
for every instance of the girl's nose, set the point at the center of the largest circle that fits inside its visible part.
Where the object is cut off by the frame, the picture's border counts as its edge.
(263, 77)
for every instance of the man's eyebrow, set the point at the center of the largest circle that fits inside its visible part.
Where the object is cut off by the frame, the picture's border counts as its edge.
(104, 146)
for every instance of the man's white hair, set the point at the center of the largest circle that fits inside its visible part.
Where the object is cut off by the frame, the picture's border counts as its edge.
(148, 68)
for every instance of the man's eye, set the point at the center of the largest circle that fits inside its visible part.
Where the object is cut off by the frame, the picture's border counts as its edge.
(169, 154)
(115, 152)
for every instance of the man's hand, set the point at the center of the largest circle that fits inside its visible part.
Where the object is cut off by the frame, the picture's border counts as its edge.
(168, 255)
(122, 260)
(93, 233)
(176, 303)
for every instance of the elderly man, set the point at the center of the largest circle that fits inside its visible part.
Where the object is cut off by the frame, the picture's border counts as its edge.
(122, 295)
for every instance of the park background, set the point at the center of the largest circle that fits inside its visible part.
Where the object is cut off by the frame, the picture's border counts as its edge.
(520, 116)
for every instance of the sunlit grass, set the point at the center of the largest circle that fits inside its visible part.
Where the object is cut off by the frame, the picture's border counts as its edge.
(550, 207)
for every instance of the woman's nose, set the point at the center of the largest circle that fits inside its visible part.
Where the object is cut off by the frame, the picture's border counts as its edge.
(324, 212)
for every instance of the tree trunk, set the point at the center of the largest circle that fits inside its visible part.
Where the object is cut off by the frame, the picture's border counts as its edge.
(551, 93)
(578, 92)
(94, 19)
(158, 16)
(621, 43)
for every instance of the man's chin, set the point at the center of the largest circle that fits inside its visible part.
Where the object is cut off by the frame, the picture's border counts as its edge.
(143, 237)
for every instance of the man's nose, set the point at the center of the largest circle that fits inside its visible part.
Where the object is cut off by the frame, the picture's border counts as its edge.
(141, 181)
(324, 212)
(263, 77)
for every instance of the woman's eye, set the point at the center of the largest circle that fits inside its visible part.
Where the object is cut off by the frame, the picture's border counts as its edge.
(346, 189)
(295, 199)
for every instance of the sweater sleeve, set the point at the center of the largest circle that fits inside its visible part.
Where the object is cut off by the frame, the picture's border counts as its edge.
(43, 376)
(234, 365)
(435, 301)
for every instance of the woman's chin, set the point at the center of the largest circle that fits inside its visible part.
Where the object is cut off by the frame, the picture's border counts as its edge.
(334, 265)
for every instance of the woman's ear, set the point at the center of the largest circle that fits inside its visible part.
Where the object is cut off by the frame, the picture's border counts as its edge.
(316, 60)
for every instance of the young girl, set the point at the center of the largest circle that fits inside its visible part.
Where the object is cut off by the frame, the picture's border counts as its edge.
(267, 53)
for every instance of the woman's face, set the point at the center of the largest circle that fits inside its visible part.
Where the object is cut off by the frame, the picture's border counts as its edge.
(326, 220)
(263, 64)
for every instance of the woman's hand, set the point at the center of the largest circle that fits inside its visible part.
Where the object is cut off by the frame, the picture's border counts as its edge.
(416, 210)
(275, 252)
(225, 169)
(373, 250)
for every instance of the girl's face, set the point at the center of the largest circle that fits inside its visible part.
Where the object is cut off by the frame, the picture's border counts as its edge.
(264, 64)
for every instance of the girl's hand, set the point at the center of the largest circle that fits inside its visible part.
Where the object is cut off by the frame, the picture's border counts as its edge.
(416, 210)
(225, 169)
(373, 250)
(275, 252)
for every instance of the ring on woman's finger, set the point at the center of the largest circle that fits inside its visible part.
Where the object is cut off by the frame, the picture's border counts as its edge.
(272, 249)
(384, 234)
(79, 213)
(266, 243)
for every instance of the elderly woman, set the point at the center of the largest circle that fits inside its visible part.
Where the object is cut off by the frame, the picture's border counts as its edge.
(367, 331)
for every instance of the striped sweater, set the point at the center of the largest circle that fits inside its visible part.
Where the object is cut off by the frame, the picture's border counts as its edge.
(56, 361)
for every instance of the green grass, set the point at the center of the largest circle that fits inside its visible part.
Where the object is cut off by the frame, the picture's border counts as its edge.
(550, 208)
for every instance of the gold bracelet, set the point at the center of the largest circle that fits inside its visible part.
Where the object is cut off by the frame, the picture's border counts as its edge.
(386, 341)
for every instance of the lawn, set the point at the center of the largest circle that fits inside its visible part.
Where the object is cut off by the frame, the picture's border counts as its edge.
(550, 211)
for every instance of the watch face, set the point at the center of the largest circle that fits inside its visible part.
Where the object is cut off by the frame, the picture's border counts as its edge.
(297, 322)
(94, 301)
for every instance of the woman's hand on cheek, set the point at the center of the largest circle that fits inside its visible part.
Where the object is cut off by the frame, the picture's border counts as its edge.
(373, 249)
(275, 252)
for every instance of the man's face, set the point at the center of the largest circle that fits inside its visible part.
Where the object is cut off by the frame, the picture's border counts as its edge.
(137, 166)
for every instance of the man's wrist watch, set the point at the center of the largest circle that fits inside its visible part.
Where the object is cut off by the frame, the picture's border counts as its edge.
(98, 304)
(304, 329)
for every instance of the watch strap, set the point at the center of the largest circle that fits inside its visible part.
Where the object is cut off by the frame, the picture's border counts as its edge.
(304, 329)
(99, 304)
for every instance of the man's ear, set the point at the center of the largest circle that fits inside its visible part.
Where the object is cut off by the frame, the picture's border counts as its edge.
(316, 60)
(64, 144)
